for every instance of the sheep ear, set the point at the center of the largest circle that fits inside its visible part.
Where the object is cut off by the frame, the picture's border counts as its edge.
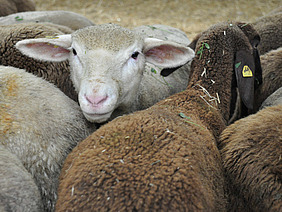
(47, 49)
(254, 38)
(245, 70)
(167, 71)
(165, 54)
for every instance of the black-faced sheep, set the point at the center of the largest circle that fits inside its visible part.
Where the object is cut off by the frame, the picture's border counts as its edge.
(54, 72)
(251, 150)
(269, 27)
(40, 125)
(69, 19)
(271, 64)
(108, 68)
(165, 158)
(18, 191)
(8, 7)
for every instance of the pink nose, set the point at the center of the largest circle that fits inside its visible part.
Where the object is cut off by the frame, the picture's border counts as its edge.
(96, 100)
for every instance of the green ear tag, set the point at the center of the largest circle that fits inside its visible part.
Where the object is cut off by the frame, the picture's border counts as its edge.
(247, 72)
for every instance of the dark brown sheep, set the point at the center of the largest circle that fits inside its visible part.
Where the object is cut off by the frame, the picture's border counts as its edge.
(8, 7)
(54, 72)
(251, 150)
(269, 27)
(271, 64)
(165, 158)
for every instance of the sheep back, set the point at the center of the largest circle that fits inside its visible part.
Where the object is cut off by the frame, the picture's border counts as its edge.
(269, 28)
(251, 151)
(18, 191)
(274, 99)
(40, 125)
(56, 73)
(8, 7)
(69, 19)
(166, 164)
(271, 63)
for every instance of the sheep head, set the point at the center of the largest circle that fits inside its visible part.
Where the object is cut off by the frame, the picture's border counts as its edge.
(107, 64)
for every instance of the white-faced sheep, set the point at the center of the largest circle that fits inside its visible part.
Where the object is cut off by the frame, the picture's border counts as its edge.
(40, 125)
(54, 72)
(107, 68)
(271, 64)
(18, 191)
(69, 19)
(165, 158)
(269, 27)
(251, 150)
(8, 7)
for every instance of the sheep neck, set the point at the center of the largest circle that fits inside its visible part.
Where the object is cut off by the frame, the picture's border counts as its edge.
(213, 80)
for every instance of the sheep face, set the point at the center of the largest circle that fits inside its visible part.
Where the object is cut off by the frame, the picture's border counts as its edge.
(107, 63)
(106, 76)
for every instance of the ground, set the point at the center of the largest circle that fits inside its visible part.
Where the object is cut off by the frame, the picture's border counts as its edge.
(191, 16)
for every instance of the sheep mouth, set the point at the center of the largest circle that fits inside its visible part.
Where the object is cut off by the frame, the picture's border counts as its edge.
(97, 117)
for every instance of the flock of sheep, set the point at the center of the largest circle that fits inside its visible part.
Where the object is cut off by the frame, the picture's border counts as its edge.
(104, 118)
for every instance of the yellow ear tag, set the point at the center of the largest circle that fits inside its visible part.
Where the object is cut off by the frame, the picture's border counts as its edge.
(247, 72)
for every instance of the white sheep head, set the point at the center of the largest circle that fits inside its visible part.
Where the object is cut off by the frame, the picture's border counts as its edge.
(107, 63)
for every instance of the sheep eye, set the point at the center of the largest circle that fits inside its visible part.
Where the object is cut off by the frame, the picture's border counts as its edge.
(135, 55)
(74, 52)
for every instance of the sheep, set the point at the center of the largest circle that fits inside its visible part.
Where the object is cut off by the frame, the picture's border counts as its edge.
(8, 7)
(69, 19)
(54, 72)
(269, 28)
(18, 192)
(107, 65)
(40, 125)
(165, 158)
(163, 32)
(251, 150)
(274, 99)
(271, 63)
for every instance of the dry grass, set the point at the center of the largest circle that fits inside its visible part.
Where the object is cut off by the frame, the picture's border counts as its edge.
(191, 16)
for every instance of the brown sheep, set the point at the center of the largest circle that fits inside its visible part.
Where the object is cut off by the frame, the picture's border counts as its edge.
(8, 7)
(251, 150)
(56, 73)
(165, 158)
(271, 64)
(269, 27)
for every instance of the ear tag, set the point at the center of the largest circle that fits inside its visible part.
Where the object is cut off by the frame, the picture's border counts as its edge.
(247, 72)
